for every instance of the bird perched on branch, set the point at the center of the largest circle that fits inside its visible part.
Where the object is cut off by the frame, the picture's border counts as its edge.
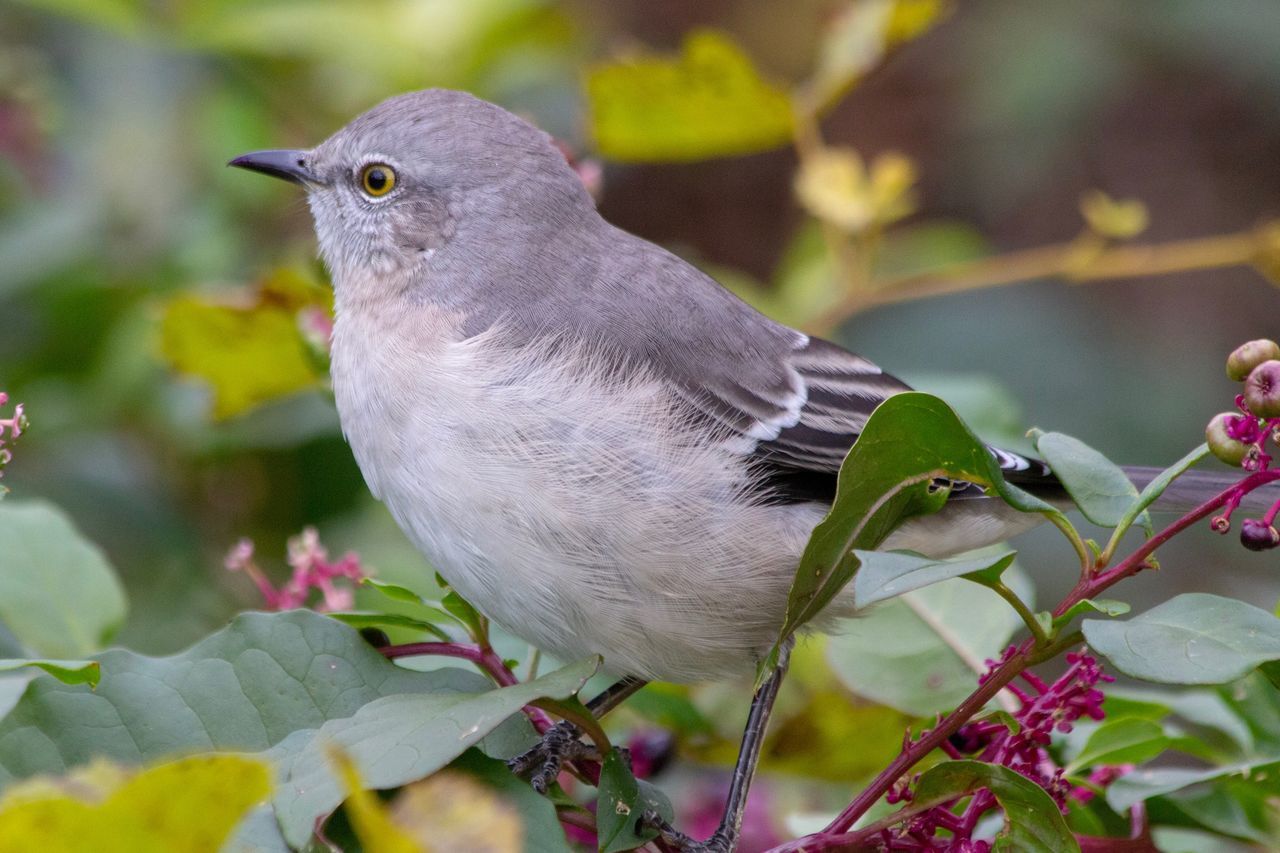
(594, 442)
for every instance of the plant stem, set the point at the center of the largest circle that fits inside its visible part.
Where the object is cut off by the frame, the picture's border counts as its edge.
(484, 657)
(1064, 261)
(1027, 654)
(1028, 618)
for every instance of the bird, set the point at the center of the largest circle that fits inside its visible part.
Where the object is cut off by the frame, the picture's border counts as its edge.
(594, 442)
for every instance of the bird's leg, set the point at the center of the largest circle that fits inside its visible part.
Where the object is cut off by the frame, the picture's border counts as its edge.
(725, 838)
(562, 742)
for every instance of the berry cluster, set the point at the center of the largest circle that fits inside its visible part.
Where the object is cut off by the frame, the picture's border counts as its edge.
(10, 429)
(1240, 438)
(312, 569)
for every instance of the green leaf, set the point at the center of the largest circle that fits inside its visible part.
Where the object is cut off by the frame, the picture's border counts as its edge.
(66, 671)
(1145, 783)
(1032, 821)
(1097, 485)
(244, 689)
(1105, 606)
(886, 574)
(1195, 638)
(619, 808)
(707, 102)
(910, 440)
(1131, 741)
(922, 671)
(398, 739)
(1154, 489)
(396, 592)
(369, 619)
(58, 594)
(1202, 708)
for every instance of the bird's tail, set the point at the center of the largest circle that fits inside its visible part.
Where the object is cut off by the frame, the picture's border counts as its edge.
(1193, 488)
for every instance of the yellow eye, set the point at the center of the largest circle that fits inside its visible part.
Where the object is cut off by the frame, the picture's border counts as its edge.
(377, 179)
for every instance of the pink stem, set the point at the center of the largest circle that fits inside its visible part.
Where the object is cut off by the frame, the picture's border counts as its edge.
(483, 657)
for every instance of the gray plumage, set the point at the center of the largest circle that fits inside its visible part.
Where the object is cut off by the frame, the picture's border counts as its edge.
(594, 442)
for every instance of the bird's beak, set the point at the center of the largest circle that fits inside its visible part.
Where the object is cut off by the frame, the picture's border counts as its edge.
(287, 163)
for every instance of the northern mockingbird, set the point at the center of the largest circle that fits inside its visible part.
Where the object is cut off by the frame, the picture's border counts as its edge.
(594, 442)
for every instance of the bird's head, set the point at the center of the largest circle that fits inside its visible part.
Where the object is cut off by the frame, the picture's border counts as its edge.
(424, 174)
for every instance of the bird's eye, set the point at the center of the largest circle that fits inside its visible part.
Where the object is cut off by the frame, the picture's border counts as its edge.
(377, 179)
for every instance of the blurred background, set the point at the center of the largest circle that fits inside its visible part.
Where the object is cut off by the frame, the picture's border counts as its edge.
(117, 117)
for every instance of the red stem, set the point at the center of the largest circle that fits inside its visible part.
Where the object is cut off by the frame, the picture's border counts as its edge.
(837, 835)
(483, 657)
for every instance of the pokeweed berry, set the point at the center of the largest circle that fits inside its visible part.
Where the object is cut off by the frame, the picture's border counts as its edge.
(1257, 535)
(1222, 444)
(1262, 389)
(1249, 355)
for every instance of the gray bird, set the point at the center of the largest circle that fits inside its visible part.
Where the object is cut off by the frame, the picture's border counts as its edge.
(594, 442)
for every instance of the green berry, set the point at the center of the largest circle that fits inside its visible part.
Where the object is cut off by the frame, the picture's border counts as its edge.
(1223, 446)
(1262, 390)
(1249, 355)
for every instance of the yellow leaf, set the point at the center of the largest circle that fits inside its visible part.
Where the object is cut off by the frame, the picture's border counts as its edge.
(858, 38)
(186, 806)
(834, 185)
(1267, 260)
(250, 349)
(707, 102)
(1118, 219)
(452, 811)
(369, 819)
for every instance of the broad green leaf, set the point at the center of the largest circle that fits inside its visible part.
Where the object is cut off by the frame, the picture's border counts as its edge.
(1229, 807)
(186, 806)
(1131, 741)
(369, 619)
(1097, 485)
(1032, 821)
(709, 101)
(243, 689)
(398, 739)
(250, 350)
(858, 37)
(58, 594)
(1202, 708)
(66, 671)
(618, 810)
(886, 574)
(1145, 783)
(1194, 638)
(922, 671)
(910, 440)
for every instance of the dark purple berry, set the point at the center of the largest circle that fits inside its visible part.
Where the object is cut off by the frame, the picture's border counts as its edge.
(1257, 535)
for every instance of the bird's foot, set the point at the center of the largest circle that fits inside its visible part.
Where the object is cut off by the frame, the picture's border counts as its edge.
(720, 842)
(560, 745)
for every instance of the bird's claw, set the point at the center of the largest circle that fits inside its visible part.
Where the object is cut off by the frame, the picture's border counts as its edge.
(560, 745)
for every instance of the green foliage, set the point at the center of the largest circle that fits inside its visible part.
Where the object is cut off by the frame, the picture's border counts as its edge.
(397, 739)
(886, 574)
(245, 688)
(1099, 488)
(941, 636)
(66, 671)
(909, 441)
(58, 594)
(1032, 822)
(623, 802)
(1194, 638)
(1121, 741)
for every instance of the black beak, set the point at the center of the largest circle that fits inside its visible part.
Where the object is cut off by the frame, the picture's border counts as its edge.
(289, 164)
